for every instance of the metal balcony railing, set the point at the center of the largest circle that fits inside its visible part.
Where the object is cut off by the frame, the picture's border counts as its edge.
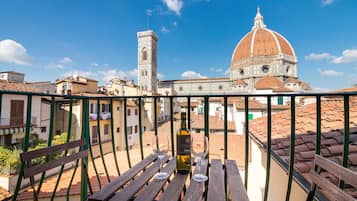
(15, 121)
(141, 100)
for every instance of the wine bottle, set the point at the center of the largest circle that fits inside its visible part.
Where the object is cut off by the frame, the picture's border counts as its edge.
(183, 147)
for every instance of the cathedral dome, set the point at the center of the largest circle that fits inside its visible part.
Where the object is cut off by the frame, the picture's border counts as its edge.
(260, 42)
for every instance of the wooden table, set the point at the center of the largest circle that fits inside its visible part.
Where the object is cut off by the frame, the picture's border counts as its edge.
(138, 183)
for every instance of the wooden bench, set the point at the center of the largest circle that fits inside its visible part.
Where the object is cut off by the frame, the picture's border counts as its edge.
(31, 170)
(329, 189)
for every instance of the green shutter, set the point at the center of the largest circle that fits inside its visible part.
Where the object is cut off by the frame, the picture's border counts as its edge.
(250, 116)
(280, 100)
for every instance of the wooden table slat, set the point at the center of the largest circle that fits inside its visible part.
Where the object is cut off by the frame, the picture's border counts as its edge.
(154, 187)
(173, 191)
(108, 191)
(195, 190)
(234, 182)
(129, 191)
(216, 190)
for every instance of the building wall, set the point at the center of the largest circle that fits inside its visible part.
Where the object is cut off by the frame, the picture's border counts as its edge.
(35, 113)
(204, 87)
(17, 77)
(278, 179)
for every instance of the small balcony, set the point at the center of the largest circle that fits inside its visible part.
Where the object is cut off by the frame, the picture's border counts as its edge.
(15, 122)
(274, 148)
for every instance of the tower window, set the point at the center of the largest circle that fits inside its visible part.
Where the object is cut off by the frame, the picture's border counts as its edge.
(265, 69)
(145, 54)
(241, 72)
(142, 72)
(146, 72)
(287, 69)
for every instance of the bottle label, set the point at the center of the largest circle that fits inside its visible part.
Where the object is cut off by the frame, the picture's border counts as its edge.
(183, 144)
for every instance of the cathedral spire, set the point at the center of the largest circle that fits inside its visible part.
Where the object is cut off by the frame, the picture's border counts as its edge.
(258, 20)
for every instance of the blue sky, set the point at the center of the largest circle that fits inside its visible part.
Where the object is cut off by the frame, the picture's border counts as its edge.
(51, 39)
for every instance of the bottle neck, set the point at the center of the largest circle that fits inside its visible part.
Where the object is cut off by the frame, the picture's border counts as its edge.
(183, 123)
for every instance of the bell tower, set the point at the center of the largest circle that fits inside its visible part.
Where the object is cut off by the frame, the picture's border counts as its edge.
(147, 61)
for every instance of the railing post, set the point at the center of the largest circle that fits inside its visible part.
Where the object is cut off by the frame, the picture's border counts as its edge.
(140, 129)
(225, 128)
(25, 146)
(292, 148)
(172, 126)
(246, 111)
(188, 112)
(346, 134)
(84, 161)
(126, 133)
(267, 176)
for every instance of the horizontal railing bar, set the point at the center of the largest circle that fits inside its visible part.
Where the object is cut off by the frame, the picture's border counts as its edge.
(182, 96)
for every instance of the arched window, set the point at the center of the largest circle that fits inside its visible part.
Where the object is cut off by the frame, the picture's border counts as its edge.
(142, 72)
(241, 72)
(287, 69)
(146, 72)
(144, 53)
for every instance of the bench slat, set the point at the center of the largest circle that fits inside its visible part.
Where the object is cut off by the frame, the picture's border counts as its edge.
(347, 175)
(154, 187)
(26, 156)
(33, 170)
(216, 190)
(329, 187)
(196, 189)
(173, 191)
(234, 182)
(129, 191)
(108, 191)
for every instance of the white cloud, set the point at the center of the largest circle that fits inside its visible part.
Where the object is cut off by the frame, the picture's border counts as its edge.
(79, 73)
(327, 2)
(348, 56)
(13, 52)
(149, 12)
(319, 56)
(107, 75)
(160, 76)
(227, 72)
(329, 73)
(174, 24)
(174, 5)
(216, 70)
(192, 75)
(94, 64)
(64, 62)
(321, 89)
(164, 30)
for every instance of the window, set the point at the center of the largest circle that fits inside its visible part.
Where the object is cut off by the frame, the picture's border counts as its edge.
(144, 54)
(43, 129)
(200, 88)
(130, 130)
(118, 108)
(136, 112)
(128, 112)
(105, 107)
(136, 128)
(287, 69)
(180, 88)
(265, 69)
(94, 135)
(118, 130)
(106, 129)
(241, 72)
(146, 72)
(280, 100)
(142, 73)
(92, 108)
(220, 87)
(144, 128)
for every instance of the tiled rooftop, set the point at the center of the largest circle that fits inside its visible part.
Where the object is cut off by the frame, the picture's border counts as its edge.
(331, 141)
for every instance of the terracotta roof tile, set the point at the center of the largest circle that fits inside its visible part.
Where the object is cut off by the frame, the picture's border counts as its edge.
(16, 86)
(268, 82)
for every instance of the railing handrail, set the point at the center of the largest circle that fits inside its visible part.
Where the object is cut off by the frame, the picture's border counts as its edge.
(312, 94)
